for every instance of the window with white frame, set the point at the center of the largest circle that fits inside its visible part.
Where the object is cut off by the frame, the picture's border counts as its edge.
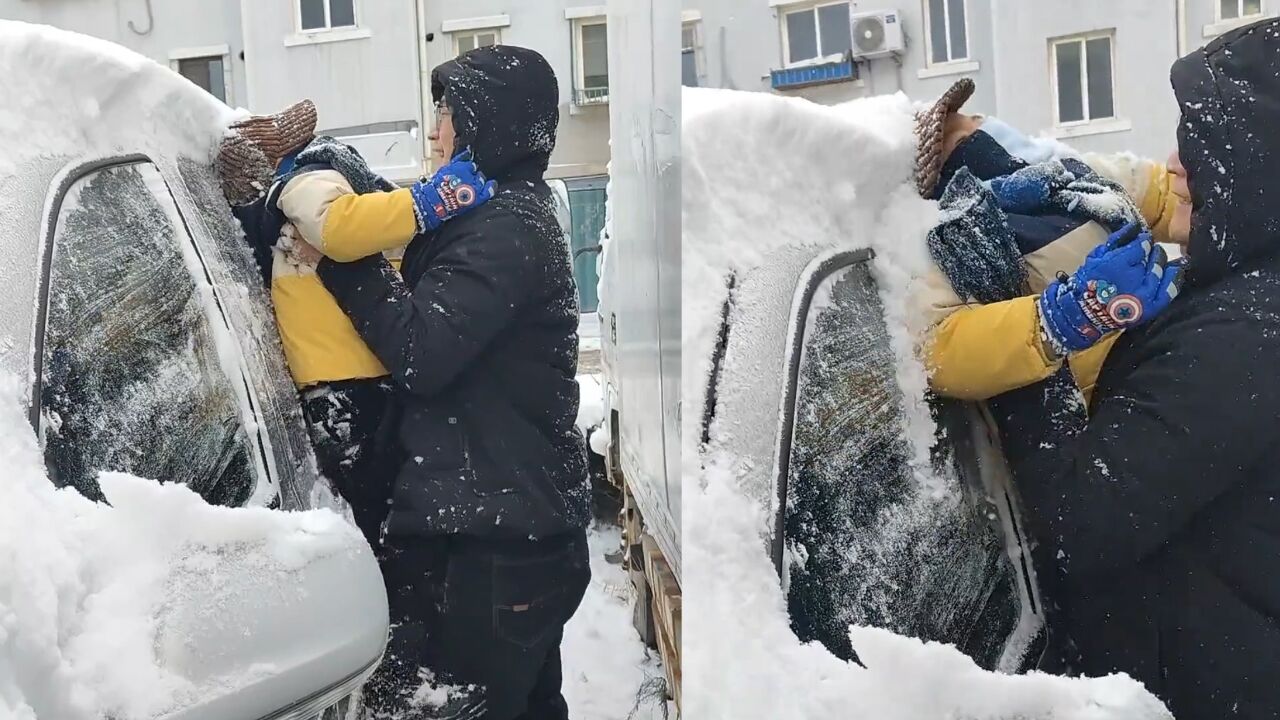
(816, 31)
(472, 39)
(689, 65)
(947, 21)
(1236, 9)
(1083, 78)
(319, 15)
(591, 61)
(207, 72)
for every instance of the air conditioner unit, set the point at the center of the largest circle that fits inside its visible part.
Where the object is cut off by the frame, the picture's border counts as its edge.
(876, 34)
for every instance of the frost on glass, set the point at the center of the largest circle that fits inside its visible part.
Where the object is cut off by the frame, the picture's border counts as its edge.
(132, 380)
(248, 308)
(869, 541)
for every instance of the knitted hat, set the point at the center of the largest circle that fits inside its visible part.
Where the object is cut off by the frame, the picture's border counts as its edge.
(930, 125)
(253, 147)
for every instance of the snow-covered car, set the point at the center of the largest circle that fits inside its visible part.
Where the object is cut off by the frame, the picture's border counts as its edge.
(138, 320)
(852, 546)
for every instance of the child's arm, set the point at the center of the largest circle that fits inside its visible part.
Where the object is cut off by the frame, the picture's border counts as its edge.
(345, 226)
(1147, 183)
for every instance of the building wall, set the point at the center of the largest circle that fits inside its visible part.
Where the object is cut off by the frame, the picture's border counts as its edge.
(175, 25)
(741, 41)
(367, 78)
(1145, 45)
(582, 145)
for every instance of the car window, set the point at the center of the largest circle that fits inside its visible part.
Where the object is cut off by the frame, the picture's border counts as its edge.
(132, 379)
(870, 540)
(248, 309)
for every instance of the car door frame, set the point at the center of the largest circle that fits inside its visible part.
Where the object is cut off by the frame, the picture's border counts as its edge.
(806, 270)
(65, 180)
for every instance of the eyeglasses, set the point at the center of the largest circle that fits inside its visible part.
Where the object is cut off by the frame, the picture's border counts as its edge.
(441, 111)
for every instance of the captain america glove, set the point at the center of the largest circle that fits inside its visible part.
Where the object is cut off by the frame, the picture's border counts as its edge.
(456, 188)
(1123, 283)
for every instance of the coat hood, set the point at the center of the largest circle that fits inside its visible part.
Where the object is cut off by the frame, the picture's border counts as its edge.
(505, 102)
(1229, 94)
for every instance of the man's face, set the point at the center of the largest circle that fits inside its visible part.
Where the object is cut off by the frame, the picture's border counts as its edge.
(442, 137)
(1180, 225)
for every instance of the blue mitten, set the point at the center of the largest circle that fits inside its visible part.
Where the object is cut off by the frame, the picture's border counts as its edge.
(456, 188)
(1124, 282)
(1022, 192)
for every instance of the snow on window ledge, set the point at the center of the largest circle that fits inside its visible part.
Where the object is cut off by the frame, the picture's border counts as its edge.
(476, 23)
(1221, 27)
(319, 37)
(1093, 127)
(962, 67)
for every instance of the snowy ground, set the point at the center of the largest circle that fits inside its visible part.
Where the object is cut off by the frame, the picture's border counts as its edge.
(608, 672)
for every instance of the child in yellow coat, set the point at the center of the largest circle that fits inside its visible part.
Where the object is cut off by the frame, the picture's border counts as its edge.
(978, 351)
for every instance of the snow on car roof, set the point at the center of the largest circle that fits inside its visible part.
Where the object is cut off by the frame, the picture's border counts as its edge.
(67, 94)
(762, 172)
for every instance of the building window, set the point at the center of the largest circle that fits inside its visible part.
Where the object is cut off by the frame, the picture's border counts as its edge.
(689, 55)
(468, 41)
(316, 15)
(207, 72)
(1083, 82)
(1236, 9)
(948, 31)
(591, 61)
(816, 32)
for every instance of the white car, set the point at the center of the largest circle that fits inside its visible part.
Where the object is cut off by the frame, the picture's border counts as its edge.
(137, 314)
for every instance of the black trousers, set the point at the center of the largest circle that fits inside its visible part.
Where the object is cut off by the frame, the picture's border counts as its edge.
(482, 618)
(345, 421)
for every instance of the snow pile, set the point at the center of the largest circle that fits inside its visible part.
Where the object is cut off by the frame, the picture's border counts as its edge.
(608, 673)
(591, 416)
(86, 589)
(761, 172)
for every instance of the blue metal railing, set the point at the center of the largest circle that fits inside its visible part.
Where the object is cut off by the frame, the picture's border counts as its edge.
(789, 78)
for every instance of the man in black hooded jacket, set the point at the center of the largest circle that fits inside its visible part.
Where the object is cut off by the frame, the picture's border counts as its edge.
(484, 548)
(1162, 512)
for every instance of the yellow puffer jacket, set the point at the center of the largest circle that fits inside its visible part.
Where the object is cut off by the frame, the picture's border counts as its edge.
(975, 352)
(320, 343)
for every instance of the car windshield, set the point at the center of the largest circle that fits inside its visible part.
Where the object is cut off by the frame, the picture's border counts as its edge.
(870, 539)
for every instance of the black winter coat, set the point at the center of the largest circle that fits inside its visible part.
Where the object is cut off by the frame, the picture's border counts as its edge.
(1163, 511)
(481, 333)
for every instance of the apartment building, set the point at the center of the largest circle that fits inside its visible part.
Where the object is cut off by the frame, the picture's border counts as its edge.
(1094, 73)
(367, 65)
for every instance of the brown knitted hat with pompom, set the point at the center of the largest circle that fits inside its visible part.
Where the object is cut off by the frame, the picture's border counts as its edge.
(930, 126)
(254, 146)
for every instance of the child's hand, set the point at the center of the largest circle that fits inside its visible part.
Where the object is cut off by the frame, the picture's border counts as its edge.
(298, 250)
(456, 188)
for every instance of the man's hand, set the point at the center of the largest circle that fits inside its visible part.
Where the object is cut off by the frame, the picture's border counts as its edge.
(1123, 283)
(456, 188)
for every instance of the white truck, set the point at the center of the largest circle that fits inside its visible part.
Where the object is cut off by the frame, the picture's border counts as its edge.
(640, 310)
